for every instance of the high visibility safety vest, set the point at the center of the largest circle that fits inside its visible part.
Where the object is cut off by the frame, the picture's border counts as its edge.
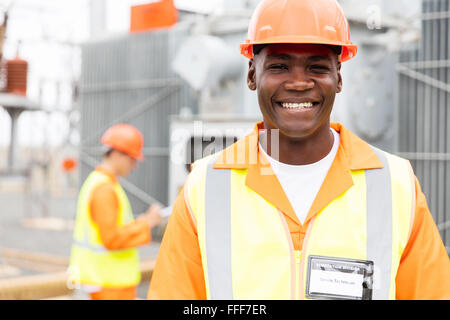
(91, 263)
(246, 247)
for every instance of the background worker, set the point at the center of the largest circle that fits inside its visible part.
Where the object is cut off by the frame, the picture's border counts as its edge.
(313, 212)
(104, 257)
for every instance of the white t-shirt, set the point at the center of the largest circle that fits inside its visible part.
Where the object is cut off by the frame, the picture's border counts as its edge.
(301, 183)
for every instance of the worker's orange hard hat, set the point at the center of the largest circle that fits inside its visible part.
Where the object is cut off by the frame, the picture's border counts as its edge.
(299, 21)
(125, 138)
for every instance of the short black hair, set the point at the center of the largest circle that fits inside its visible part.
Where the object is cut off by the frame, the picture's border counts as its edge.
(258, 47)
(336, 49)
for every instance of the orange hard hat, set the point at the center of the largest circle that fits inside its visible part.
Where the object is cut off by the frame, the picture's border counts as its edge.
(299, 21)
(125, 138)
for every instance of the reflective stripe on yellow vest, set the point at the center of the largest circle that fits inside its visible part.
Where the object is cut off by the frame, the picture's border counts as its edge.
(246, 246)
(90, 261)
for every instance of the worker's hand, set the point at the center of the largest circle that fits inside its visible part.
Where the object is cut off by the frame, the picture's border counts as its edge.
(152, 215)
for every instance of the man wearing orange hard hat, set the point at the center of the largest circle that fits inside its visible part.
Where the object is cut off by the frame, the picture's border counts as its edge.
(104, 258)
(313, 212)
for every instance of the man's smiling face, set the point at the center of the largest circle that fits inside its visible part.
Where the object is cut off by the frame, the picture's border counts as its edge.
(296, 86)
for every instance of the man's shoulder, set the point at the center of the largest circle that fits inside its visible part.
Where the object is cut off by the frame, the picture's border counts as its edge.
(387, 152)
(363, 154)
(391, 156)
(105, 186)
(98, 182)
(202, 163)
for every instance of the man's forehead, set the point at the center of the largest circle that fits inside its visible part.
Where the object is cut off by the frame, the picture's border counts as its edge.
(278, 49)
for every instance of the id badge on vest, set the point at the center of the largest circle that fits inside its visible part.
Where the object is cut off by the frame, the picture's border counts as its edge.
(338, 278)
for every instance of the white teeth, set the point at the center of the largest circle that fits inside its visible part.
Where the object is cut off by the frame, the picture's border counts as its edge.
(297, 105)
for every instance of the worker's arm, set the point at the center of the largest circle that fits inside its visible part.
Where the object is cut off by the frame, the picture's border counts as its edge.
(178, 273)
(424, 271)
(104, 206)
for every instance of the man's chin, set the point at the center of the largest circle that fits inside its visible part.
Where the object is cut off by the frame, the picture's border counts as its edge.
(294, 132)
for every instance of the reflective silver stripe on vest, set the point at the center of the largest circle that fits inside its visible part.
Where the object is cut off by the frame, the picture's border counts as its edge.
(379, 226)
(218, 232)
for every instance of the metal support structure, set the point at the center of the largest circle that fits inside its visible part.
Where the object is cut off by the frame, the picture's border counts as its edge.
(15, 105)
(424, 113)
(423, 78)
(426, 64)
(434, 16)
(133, 112)
(444, 225)
(14, 114)
(430, 156)
(151, 151)
(131, 85)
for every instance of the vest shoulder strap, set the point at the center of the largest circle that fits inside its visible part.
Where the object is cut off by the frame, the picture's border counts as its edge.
(195, 183)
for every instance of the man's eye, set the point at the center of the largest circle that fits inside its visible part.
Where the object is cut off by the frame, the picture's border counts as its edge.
(320, 68)
(278, 67)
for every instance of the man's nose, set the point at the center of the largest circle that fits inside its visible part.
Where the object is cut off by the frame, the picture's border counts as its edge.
(299, 81)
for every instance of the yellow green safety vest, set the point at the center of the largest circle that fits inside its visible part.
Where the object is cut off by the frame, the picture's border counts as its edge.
(246, 247)
(90, 262)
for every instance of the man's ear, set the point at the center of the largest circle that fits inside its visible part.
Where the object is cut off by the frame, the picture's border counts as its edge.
(251, 75)
(339, 85)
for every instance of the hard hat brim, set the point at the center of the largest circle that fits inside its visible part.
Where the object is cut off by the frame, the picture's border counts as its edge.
(139, 157)
(349, 52)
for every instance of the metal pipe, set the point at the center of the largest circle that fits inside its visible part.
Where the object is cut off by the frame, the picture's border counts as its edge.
(446, 116)
(130, 85)
(432, 108)
(424, 156)
(423, 78)
(443, 225)
(150, 151)
(14, 113)
(440, 183)
(434, 15)
(421, 55)
(426, 64)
